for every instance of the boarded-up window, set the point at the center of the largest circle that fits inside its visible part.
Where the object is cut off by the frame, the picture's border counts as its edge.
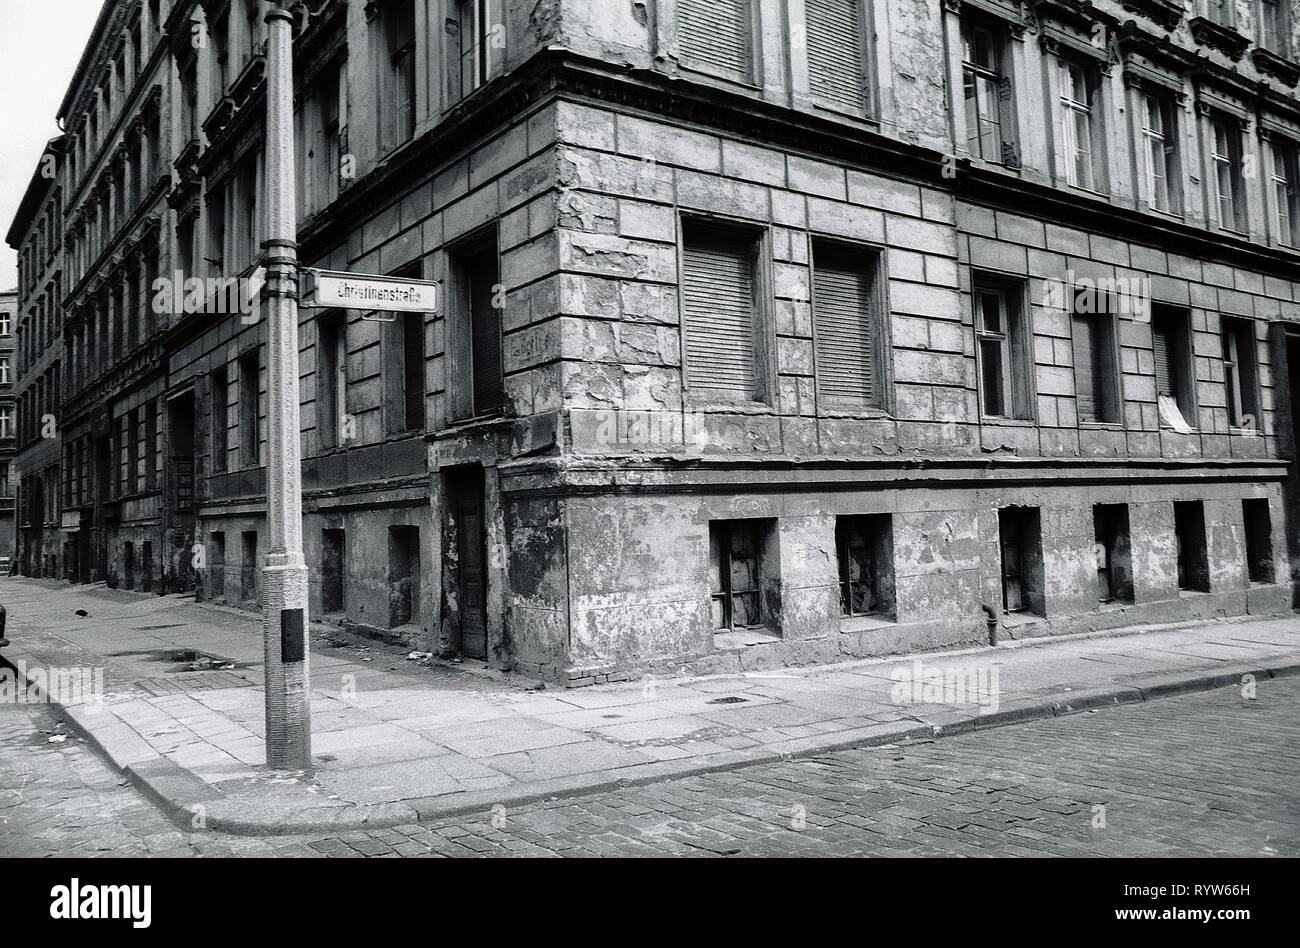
(718, 308)
(846, 325)
(837, 54)
(736, 573)
(717, 36)
(1094, 369)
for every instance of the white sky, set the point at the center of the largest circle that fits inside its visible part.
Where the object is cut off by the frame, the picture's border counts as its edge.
(40, 43)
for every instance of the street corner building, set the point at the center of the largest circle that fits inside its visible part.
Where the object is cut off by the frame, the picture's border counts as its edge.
(770, 332)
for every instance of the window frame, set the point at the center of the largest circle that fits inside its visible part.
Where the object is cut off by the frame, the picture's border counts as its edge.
(1112, 393)
(1285, 152)
(1167, 141)
(1018, 390)
(762, 302)
(703, 67)
(1242, 395)
(722, 569)
(1185, 398)
(1231, 163)
(999, 74)
(1069, 109)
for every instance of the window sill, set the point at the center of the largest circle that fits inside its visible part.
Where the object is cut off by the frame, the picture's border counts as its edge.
(1102, 425)
(867, 623)
(733, 639)
(698, 403)
(1008, 422)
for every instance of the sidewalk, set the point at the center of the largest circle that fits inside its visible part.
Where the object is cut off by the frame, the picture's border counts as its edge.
(397, 740)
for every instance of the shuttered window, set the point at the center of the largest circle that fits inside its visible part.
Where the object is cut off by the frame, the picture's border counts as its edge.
(846, 326)
(717, 36)
(1169, 343)
(719, 312)
(836, 54)
(1093, 369)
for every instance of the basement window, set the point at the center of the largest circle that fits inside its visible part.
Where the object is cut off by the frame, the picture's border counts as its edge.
(1113, 551)
(865, 550)
(1259, 540)
(1189, 533)
(736, 573)
(1020, 535)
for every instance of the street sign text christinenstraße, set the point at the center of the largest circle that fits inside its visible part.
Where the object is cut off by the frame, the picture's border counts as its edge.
(333, 289)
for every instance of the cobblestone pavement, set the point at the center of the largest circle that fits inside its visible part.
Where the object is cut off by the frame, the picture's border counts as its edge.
(1204, 774)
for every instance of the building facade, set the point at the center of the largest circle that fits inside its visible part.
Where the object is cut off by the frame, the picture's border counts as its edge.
(8, 413)
(773, 331)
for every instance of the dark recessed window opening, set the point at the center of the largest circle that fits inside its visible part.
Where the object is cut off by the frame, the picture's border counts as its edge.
(1259, 540)
(865, 549)
(736, 573)
(1020, 538)
(1189, 533)
(1114, 553)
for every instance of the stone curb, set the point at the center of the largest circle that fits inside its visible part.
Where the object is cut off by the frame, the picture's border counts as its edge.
(182, 796)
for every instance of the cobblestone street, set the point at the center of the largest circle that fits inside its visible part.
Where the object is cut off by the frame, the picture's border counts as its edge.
(1203, 774)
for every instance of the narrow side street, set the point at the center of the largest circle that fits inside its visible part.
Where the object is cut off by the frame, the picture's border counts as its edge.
(1208, 774)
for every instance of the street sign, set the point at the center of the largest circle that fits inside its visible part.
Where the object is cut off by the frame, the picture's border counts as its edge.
(329, 289)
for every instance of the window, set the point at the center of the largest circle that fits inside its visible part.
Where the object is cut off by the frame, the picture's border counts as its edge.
(252, 28)
(720, 314)
(333, 570)
(220, 33)
(847, 325)
(216, 230)
(249, 410)
(151, 447)
(413, 377)
(6, 324)
(322, 153)
(1076, 159)
(1259, 540)
(1189, 534)
(399, 30)
(835, 38)
(332, 382)
(1096, 384)
(185, 248)
(1286, 175)
(1240, 363)
(1225, 159)
(1273, 32)
(717, 36)
(245, 250)
(1004, 349)
(403, 575)
(865, 548)
(220, 395)
(478, 29)
(4, 478)
(1020, 542)
(479, 295)
(1222, 12)
(1113, 551)
(736, 573)
(6, 421)
(987, 93)
(1159, 135)
(4, 371)
(1171, 350)
(248, 566)
(189, 100)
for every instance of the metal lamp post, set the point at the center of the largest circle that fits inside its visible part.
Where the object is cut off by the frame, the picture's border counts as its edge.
(284, 574)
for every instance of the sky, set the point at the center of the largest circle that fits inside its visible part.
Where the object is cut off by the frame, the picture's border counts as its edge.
(40, 43)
